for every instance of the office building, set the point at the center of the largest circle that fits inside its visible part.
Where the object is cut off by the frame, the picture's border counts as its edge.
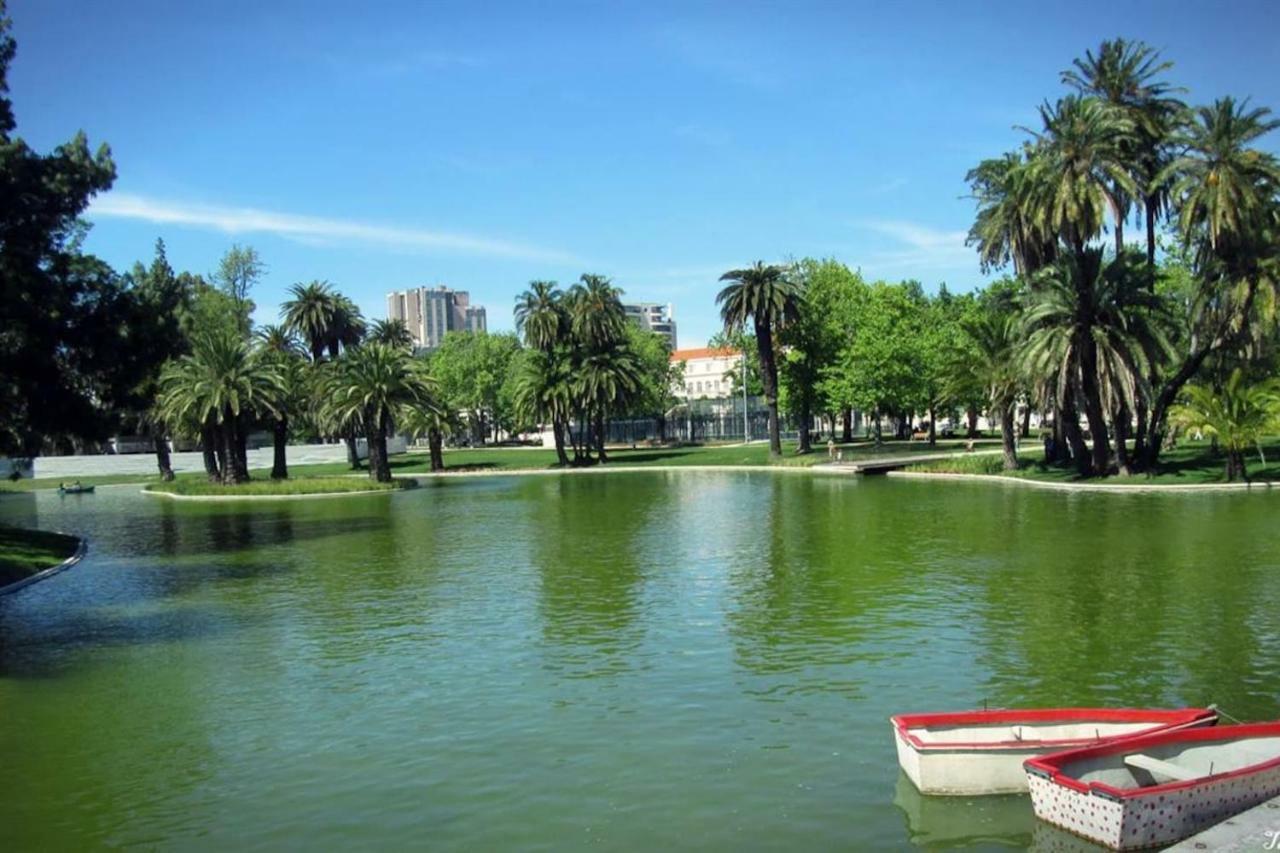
(432, 312)
(655, 317)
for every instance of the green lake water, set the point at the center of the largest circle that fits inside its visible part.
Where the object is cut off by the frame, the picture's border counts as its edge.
(631, 661)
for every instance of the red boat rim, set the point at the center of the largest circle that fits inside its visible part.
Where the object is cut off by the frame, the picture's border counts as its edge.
(1049, 766)
(1162, 721)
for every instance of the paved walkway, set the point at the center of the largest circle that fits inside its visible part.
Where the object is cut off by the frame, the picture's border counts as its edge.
(70, 467)
(1256, 829)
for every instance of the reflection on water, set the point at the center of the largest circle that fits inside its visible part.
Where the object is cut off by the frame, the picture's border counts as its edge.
(949, 822)
(638, 660)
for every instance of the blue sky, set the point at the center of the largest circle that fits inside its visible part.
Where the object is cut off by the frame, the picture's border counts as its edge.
(484, 145)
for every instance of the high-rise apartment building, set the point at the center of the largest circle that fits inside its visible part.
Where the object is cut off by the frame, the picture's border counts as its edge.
(432, 312)
(655, 317)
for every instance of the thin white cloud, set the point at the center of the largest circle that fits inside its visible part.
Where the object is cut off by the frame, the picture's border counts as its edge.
(918, 246)
(313, 230)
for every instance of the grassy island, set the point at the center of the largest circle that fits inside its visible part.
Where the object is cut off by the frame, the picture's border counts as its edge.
(1193, 463)
(25, 552)
(301, 487)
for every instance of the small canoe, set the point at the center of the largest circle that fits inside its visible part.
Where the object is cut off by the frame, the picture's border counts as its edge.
(1158, 789)
(75, 490)
(972, 753)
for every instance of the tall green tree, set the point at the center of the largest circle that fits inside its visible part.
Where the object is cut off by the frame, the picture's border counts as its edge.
(239, 271)
(1126, 75)
(373, 385)
(310, 314)
(63, 329)
(393, 333)
(993, 361)
(286, 357)
(471, 368)
(219, 388)
(768, 298)
(1226, 191)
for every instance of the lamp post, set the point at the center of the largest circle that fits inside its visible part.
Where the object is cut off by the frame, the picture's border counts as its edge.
(746, 428)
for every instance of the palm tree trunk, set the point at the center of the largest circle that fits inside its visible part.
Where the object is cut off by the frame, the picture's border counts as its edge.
(1235, 466)
(1061, 450)
(1075, 440)
(1140, 432)
(1008, 441)
(1151, 240)
(163, 461)
(1120, 420)
(558, 428)
(1092, 395)
(353, 453)
(279, 440)
(435, 442)
(769, 378)
(806, 415)
(1164, 400)
(242, 453)
(210, 449)
(376, 435)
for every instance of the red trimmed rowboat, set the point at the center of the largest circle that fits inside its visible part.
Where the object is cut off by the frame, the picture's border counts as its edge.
(1158, 789)
(981, 752)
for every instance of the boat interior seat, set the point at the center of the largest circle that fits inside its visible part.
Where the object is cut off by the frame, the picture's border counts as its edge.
(1159, 771)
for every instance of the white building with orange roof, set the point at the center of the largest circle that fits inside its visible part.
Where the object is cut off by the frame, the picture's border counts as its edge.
(706, 372)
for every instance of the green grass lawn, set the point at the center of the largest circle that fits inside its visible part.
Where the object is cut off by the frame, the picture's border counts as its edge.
(525, 459)
(25, 552)
(264, 487)
(1189, 463)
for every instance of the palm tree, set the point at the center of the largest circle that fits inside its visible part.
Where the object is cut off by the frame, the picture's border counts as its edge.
(1080, 176)
(1129, 334)
(1080, 168)
(1124, 75)
(597, 325)
(393, 333)
(607, 380)
(349, 326)
(1225, 190)
(429, 417)
(596, 317)
(542, 318)
(540, 315)
(310, 315)
(1226, 193)
(373, 384)
(1239, 415)
(281, 349)
(222, 383)
(990, 360)
(544, 393)
(768, 297)
(1006, 228)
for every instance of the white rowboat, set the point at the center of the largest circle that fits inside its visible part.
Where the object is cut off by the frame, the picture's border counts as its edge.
(971, 753)
(1155, 790)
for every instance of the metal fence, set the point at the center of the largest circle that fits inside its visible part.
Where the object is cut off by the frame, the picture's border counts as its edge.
(696, 422)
